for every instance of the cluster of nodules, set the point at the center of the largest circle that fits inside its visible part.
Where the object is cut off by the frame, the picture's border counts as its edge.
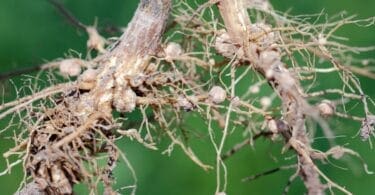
(262, 52)
(73, 68)
(147, 86)
(140, 85)
(260, 38)
(325, 108)
(216, 95)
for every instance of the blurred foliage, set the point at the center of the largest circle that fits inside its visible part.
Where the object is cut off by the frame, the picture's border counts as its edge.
(32, 32)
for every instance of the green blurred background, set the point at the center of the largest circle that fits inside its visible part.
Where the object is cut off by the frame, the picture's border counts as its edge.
(32, 32)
